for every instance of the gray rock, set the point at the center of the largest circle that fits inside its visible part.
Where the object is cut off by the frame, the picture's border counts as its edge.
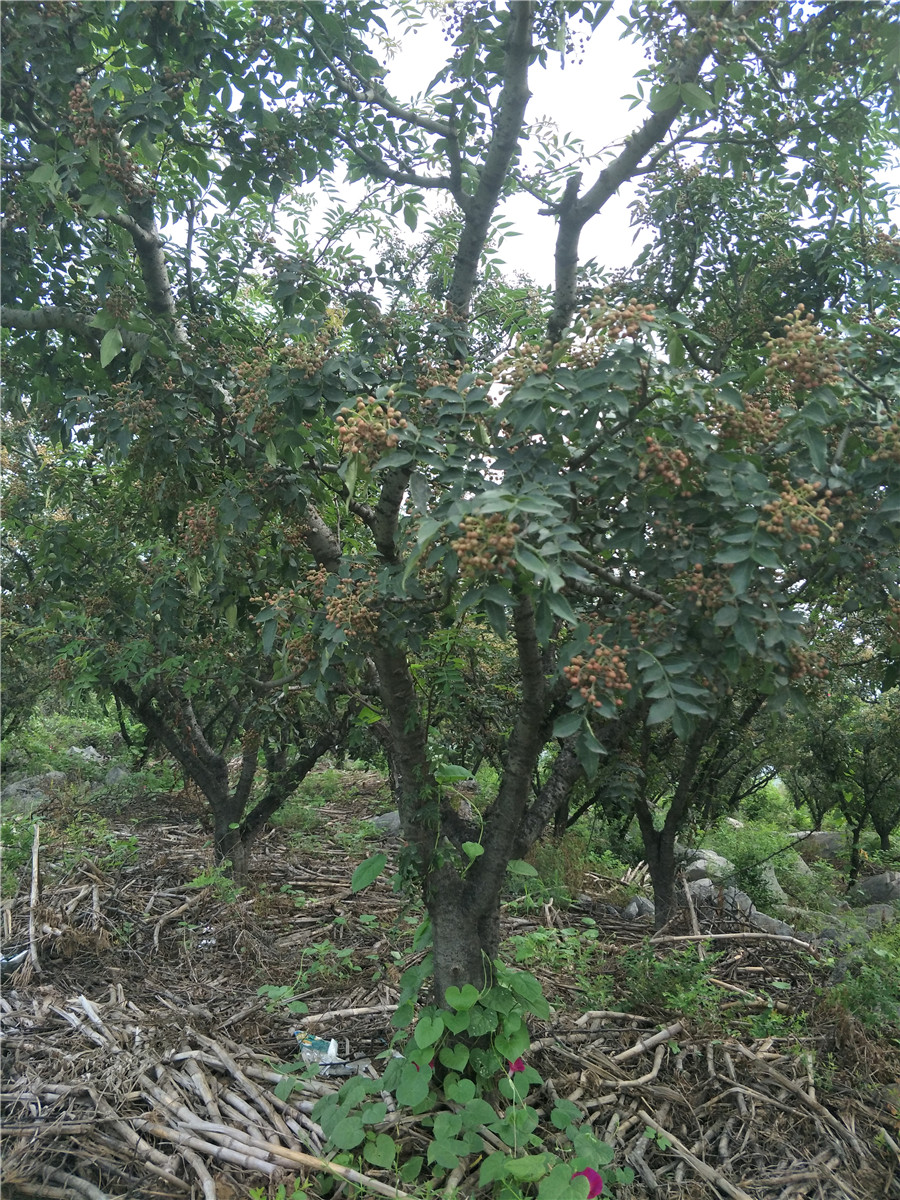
(734, 823)
(877, 915)
(638, 906)
(729, 899)
(30, 793)
(701, 864)
(877, 889)
(770, 880)
(388, 823)
(800, 867)
(821, 843)
(116, 774)
(86, 753)
(770, 924)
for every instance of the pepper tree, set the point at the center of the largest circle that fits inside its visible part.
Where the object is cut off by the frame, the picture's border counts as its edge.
(642, 501)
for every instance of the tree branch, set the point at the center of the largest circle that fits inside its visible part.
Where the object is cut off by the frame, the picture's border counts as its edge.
(619, 171)
(505, 140)
(621, 582)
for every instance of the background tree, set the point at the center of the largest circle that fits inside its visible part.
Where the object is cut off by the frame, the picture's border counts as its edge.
(647, 519)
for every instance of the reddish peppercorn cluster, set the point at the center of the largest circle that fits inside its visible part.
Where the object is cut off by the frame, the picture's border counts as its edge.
(800, 511)
(352, 608)
(485, 545)
(888, 439)
(604, 669)
(665, 461)
(802, 357)
(705, 587)
(806, 663)
(757, 423)
(199, 527)
(370, 429)
(114, 157)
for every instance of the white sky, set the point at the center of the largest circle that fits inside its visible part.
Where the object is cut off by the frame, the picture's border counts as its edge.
(582, 99)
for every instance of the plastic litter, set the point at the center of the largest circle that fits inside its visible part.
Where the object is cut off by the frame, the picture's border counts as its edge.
(317, 1050)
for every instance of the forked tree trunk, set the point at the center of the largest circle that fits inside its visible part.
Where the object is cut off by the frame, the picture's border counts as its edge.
(659, 852)
(466, 938)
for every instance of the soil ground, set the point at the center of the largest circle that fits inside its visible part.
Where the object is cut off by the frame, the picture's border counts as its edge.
(140, 1059)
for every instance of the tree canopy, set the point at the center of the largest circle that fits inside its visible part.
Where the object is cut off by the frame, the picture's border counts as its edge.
(265, 444)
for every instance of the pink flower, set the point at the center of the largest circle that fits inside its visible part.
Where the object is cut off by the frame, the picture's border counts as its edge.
(517, 1066)
(594, 1179)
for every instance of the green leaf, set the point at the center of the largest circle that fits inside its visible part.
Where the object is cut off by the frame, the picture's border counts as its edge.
(462, 1091)
(472, 850)
(285, 1086)
(665, 98)
(462, 999)
(525, 985)
(568, 723)
(348, 1133)
(725, 616)
(734, 554)
(513, 1045)
(412, 1168)
(381, 1151)
(560, 1185)
(413, 1086)
(454, 1057)
(661, 710)
(530, 1167)
(695, 97)
(518, 866)
(110, 346)
(493, 1168)
(428, 1030)
(565, 1113)
(367, 872)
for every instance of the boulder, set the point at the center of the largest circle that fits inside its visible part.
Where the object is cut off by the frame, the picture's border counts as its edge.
(770, 924)
(734, 823)
(701, 864)
(877, 915)
(821, 843)
(637, 907)
(770, 881)
(116, 774)
(86, 753)
(877, 889)
(28, 794)
(729, 899)
(388, 823)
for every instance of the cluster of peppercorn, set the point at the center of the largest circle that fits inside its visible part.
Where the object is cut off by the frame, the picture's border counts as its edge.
(199, 527)
(705, 587)
(802, 512)
(136, 409)
(175, 83)
(888, 444)
(665, 461)
(114, 159)
(370, 429)
(485, 545)
(806, 663)
(802, 355)
(251, 398)
(120, 302)
(757, 423)
(352, 608)
(604, 669)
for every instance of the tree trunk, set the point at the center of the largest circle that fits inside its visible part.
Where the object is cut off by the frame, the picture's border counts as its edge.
(884, 837)
(229, 841)
(659, 850)
(854, 854)
(466, 937)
